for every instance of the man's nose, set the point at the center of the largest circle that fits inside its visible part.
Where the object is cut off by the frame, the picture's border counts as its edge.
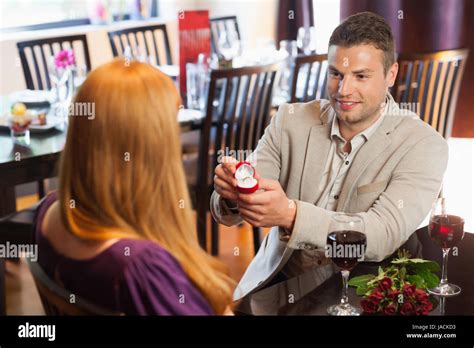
(345, 86)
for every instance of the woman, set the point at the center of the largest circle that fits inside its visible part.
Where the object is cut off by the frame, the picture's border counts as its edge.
(120, 232)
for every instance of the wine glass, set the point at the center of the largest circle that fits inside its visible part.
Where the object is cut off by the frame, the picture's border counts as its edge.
(346, 244)
(312, 39)
(62, 83)
(197, 81)
(446, 230)
(79, 74)
(229, 44)
(306, 39)
(58, 78)
(291, 50)
(290, 47)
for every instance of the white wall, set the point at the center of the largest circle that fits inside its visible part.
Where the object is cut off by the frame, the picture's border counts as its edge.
(326, 19)
(11, 72)
(257, 19)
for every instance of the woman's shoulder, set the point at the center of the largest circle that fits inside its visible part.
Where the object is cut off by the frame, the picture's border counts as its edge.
(158, 284)
(151, 278)
(41, 210)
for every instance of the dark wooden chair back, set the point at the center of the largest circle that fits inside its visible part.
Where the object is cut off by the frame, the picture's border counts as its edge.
(237, 123)
(35, 55)
(220, 24)
(309, 78)
(57, 300)
(428, 84)
(151, 40)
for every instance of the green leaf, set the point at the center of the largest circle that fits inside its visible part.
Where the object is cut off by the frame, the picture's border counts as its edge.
(361, 291)
(418, 261)
(431, 279)
(360, 280)
(418, 267)
(399, 261)
(417, 280)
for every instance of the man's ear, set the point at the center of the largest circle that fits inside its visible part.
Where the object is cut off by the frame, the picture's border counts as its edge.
(392, 74)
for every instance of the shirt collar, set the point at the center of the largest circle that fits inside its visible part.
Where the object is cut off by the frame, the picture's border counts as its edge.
(366, 133)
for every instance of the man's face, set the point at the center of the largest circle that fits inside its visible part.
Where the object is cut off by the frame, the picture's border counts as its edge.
(357, 84)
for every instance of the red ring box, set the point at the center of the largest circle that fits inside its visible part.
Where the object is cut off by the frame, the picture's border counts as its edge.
(245, 175)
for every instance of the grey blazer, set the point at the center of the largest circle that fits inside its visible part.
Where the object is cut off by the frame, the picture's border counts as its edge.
(392, 183)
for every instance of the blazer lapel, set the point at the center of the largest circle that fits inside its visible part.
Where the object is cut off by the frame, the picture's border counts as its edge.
(315, 158)
(377, 143)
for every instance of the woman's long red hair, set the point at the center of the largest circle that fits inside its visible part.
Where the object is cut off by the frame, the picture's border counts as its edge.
(121, 172)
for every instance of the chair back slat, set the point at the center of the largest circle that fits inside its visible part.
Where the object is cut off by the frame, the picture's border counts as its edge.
(45, 68)
(119, 39)
(252, 112)
(429, 83)
(440, 83)
(221, 121)
(232, 119)
(242, 116)
(145, 43)
(445, 97)
(37, 69)
(34, 56)
(127, 39)
(309, 78)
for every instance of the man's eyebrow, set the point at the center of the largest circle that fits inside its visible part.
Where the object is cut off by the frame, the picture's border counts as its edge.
(360, 71)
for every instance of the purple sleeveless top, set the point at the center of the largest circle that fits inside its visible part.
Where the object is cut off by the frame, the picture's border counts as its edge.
(135, 277)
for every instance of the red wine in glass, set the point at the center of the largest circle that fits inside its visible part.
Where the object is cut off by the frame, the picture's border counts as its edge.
(446, 230)
(347, 248)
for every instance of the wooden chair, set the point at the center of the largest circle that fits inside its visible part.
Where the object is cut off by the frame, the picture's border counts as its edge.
(34, 57)
(309, 78)
(57, 300)
(220, 24)
(154, 38)
(428, 84)
(237, 123)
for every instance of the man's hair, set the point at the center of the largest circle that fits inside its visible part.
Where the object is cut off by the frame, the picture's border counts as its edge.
(366, 28)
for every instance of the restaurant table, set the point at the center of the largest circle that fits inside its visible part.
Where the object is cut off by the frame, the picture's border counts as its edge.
(300, 296)
(38, 161)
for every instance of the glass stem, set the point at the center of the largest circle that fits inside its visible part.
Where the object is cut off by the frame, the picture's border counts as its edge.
(444, 268)
(58, 94)
(442, 305)
(345, 278)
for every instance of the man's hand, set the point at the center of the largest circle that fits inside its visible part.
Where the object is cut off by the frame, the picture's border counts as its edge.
(224, 182)
(269, 208)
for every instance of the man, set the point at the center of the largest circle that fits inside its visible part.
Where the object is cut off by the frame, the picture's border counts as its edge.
(356, 153)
